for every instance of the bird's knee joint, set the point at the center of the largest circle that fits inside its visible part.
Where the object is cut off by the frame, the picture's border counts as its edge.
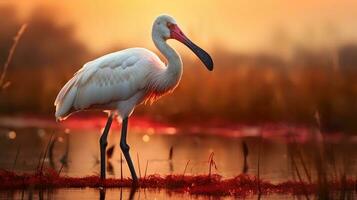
(103, 143)
(124, 147)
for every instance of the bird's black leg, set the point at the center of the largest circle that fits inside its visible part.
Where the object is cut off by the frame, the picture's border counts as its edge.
(125, 148)
(102, 194)
(103, 145)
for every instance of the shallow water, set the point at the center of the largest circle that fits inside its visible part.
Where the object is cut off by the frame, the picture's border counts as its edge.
(77, 153)
(116, 194)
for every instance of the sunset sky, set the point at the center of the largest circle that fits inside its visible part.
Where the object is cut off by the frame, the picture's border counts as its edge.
(238, 25)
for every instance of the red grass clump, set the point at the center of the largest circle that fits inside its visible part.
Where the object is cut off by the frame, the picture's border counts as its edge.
(242, 185)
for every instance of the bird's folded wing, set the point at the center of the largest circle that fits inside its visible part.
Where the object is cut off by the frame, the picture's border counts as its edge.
(101, 81)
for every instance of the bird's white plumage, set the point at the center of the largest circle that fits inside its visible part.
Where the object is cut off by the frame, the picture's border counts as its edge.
(105, 81)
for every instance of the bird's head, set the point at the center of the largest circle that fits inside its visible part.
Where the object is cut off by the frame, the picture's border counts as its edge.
(167, 28)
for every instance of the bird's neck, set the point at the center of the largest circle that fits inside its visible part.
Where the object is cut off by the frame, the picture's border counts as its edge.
(174, 62)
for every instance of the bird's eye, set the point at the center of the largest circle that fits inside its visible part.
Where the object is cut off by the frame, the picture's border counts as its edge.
(169, 24)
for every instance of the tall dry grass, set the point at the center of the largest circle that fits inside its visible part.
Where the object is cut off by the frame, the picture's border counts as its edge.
(21, 31)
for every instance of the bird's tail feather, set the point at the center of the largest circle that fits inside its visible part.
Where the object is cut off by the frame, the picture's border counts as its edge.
(65, 99)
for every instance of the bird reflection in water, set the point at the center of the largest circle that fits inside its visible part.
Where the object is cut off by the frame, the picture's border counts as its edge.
(133, 190)
(171, 165)
(110, 168)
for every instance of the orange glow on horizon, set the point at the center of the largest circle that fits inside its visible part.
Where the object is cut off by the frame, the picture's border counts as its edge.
(237, 25)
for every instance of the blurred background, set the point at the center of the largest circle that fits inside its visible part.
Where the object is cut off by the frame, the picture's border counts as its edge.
(275, 61)
(281, 103)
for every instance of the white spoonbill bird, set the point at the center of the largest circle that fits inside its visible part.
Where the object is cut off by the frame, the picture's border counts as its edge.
(117, 82)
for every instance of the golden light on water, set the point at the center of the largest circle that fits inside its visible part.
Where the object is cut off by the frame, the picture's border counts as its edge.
(60, 139)
(150, 131)
(41, 133)
(171, 130)
(11, 135)
(146, 138)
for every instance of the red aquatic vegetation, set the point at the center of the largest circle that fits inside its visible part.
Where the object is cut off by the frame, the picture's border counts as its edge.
(214, 184)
